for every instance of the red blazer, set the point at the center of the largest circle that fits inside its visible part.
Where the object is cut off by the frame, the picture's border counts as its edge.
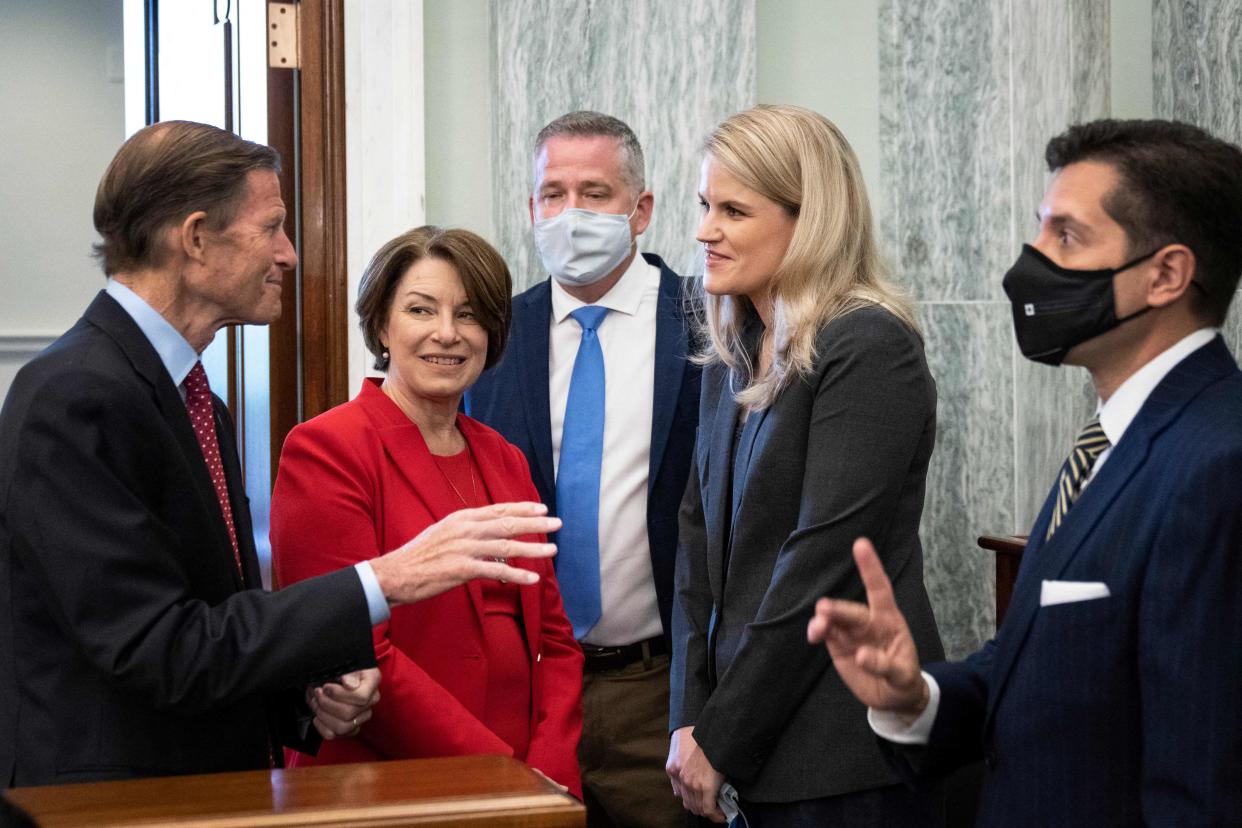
(358, 481)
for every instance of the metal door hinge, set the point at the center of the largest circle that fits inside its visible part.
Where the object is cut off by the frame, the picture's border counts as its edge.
(282, 35)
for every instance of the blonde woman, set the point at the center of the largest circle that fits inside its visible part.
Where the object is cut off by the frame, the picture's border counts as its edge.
(817, 421)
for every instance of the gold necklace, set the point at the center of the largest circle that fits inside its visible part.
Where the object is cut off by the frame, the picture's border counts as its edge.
(474, 491)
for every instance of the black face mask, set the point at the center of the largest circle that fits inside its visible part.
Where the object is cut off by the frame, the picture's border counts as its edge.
(1056, 308)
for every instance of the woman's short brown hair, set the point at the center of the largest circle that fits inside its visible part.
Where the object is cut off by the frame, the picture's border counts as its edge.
(482, 269)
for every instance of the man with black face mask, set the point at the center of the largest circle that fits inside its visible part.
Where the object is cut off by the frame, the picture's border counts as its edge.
(596, 391)
(1112, 692)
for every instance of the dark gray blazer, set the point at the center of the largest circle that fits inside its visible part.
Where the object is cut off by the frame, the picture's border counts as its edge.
(842, 453)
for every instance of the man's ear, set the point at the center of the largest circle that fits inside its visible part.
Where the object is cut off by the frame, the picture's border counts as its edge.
(642, 213)
(190, 236)
(1173, 270)
(530, 207)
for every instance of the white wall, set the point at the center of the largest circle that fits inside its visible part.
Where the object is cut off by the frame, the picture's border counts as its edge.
(62, 96)
(384, 149)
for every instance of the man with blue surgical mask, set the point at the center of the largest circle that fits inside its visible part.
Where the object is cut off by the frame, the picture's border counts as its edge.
(596, 390)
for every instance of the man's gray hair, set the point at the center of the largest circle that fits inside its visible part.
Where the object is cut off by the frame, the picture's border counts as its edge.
(587, 124)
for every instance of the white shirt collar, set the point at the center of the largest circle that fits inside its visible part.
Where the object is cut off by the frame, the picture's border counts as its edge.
(624, 297)
(177, 355)
(1122, 407)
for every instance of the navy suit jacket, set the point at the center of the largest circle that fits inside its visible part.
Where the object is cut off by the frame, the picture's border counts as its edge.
(1126, 709)
(129, 645)
(512, 397)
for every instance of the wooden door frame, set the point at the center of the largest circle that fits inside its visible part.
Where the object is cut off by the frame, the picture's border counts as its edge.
(309, 343)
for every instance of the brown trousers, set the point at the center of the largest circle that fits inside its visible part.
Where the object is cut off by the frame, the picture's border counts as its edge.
(624, 746)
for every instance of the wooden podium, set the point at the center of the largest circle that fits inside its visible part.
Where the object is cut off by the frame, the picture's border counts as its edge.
(1008, 549)
(457, 791)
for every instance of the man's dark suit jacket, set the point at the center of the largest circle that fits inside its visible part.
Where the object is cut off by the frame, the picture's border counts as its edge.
(128, 645)
(1123, 710)
(512, 397)
(842, 453)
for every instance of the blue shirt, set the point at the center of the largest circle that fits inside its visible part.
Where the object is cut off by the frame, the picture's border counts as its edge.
(178, 357)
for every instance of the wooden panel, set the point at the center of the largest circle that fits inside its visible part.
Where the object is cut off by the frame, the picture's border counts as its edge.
(1008, 549)
(457, 791)
(325, 375)
(284, 368)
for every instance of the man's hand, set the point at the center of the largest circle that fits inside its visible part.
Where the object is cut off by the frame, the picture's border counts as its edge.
(870, 644)
(695, 782)
(341, 707)
(469, 544)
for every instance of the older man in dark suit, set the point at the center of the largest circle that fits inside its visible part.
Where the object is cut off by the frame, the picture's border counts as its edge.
(1110, 694)
(135, 638)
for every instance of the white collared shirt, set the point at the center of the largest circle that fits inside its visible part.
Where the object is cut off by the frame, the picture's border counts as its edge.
(1121, 408)
(1115, 417)
(629, 609)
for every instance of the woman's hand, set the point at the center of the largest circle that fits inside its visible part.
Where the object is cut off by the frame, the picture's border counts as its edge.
(695, 782)
(341, 707)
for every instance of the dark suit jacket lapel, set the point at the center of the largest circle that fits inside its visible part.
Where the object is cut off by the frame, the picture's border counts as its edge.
(108, 316)
(534, 312)
(1048, 561)
(408, 453)
(717, 509)
(670, 364)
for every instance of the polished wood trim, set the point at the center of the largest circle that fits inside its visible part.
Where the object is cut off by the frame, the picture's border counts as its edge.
(1008, 549)
(284, 362)
(459, 791)
(325, 315)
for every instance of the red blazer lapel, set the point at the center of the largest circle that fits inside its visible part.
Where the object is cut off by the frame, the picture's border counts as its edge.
(505, 486)
(408, 453)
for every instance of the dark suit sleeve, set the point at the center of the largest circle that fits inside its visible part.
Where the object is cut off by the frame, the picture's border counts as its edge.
(1189, 658)
(118, 581)
(873, 401)
(692, 608)
(956, 737)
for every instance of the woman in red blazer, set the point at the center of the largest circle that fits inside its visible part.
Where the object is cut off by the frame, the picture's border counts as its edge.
(488, 667)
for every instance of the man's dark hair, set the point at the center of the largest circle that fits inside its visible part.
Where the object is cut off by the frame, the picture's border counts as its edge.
(1178, 185)
(162, 174)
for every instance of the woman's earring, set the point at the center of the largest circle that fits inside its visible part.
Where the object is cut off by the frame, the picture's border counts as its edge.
(385, 356)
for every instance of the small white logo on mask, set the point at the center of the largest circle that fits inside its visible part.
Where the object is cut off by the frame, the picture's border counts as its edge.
(1029, 308)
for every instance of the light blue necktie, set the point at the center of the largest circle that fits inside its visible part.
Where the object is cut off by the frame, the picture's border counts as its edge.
(577, 478)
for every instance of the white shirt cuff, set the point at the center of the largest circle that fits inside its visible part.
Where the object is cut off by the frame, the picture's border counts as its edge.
(895, 728)
(377, 605)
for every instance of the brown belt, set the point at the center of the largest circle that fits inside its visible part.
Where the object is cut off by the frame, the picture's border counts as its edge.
(602, 659)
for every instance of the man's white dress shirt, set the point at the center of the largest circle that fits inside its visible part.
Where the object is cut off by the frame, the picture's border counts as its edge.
(629, 608)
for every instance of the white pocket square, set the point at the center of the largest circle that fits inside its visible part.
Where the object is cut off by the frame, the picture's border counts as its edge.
(1068, 592)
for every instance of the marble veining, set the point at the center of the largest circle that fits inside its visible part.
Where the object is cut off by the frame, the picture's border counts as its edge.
(1197, 64)
(945, 137)
(970, 481)
(670, 70)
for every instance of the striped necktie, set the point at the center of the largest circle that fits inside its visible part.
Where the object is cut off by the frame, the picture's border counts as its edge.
(1091, 442)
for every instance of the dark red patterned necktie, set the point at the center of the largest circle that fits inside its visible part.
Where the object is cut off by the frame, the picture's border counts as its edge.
(202, 417)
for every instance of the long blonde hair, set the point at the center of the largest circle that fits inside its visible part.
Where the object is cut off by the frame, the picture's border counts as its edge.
(800, 160)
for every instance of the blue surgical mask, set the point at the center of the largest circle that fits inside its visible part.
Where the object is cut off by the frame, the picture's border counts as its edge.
(580, 247)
